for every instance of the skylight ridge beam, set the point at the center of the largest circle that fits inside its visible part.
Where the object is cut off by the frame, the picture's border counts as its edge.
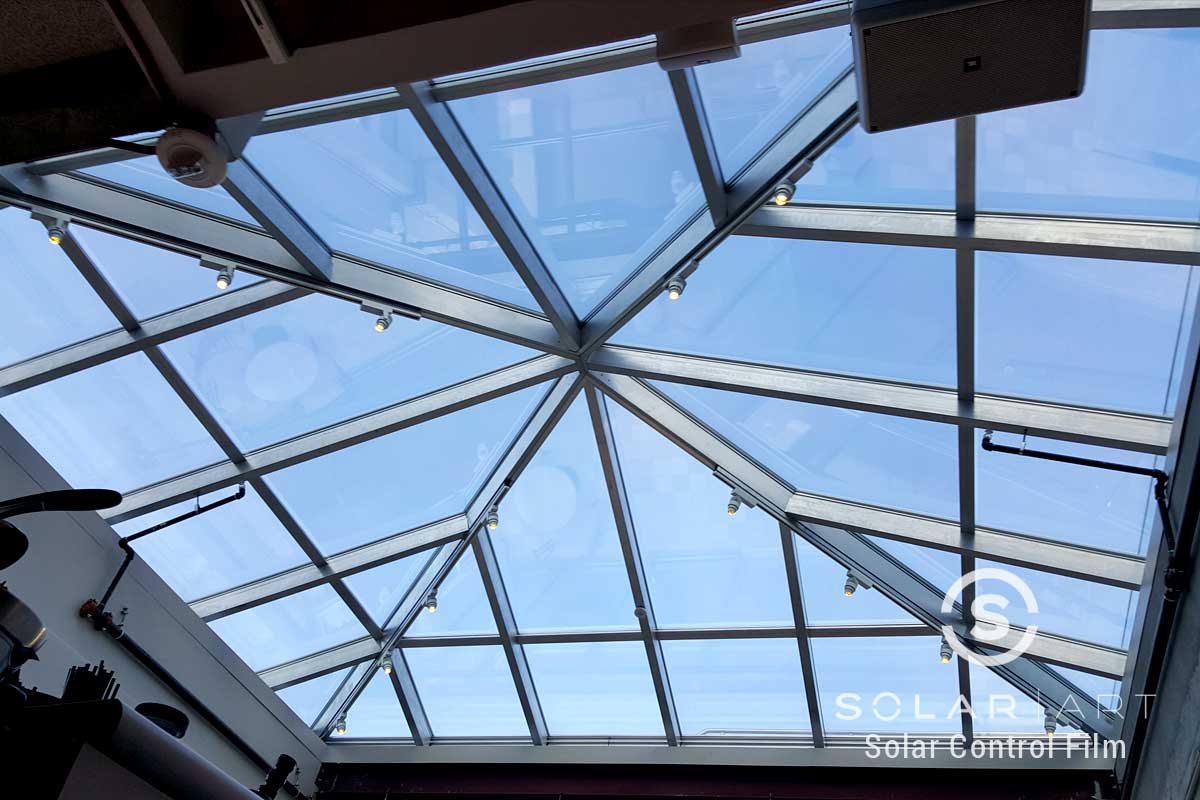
(638, 585)
(690, 104)
(459, 156)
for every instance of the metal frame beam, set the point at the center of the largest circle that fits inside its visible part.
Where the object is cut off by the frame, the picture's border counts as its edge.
(638, 585)
(410, 700)
(340, 436)
(700, 141)
(1069, 423)
(791, 563)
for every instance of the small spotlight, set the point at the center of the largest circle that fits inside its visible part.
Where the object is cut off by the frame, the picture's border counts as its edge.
(783, 193)
(386, 666)
(1051, 722)
(225, 278)
(431, 602)
(56, 232)
(735, 502)
(947, 653)
(493, 518)
(851, 585)
(675, 288)
(384, 322)
(339, 727)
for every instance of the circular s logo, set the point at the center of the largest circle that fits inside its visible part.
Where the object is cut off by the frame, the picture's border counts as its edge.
(992, 627)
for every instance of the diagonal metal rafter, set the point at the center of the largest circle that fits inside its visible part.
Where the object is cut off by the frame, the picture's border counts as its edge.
(791, 563)
(700, 141)
(638, 585)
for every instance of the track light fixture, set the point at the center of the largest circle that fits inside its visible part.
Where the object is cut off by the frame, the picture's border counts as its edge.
(1051, 722)
(493, 518)
(384, 322)
(431, 601)
(947, 653)
(851, 584)
(783, 193)
(675, 288)
(386, 664)
(735, 502)
(339, 727)
(225, 277)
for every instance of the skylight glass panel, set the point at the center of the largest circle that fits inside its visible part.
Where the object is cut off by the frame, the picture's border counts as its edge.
(151, 280)
(823, 581)
(596, 168)
(1103, 691)
(375, 188)
(557, 544)
(910, 167)
(377, 713)
(738, 687)
(467, 691)
(116, 426)
(308, 699)
(1125, 148)
(595, 689)
(938, 568)
(1069, 607)
(147, 176)
(228, 546)
(289, 628)
(1001, 708)
(914, 694)
(871, 310)
(751, 99)
(462, 604)
(879, 459)
(315, 361)
(382, 487)
(37, 277)
(1116, 348)
(688, 540)
(1068, 503)
(381, 589)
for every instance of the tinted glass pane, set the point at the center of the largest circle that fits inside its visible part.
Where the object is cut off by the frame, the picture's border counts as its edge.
(467, 691)
(1001, 708)
(751, 99)
(39, 280)
(316, 361)
(1118, 150)
(381, 589)
(286, 629)
(557, 544)
(374, 187)
(116, 426)
(878, 311)
(226, 547)
(462, 604)
(823, 582)
(147, 175)
(596, 168)
(911, 167)
(597, 688)
(1081, 505)
(1081, 331)
(1105, 691)
(688, 540)
(377, 714)
(854, 455)
(379, 488)
(936, 567)
(738, 687)
(1069, 607)
(915, 693)
(149, 279)
(309, 698)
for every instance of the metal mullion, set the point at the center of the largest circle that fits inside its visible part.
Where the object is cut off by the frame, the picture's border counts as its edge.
(690, 105)
(410, 699)
(506, 624)
(792, 565)
(638, 585)
(341, 435)
(459, 156)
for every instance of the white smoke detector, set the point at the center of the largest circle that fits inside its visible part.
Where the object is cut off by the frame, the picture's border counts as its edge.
(191, 157)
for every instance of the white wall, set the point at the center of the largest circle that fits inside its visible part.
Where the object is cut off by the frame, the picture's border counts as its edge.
(71, 558)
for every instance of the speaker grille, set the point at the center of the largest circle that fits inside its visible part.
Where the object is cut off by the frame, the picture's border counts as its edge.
(972, 60)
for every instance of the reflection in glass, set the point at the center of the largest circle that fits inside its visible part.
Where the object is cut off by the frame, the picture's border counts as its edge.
(870, 310)
(467, 691)
(738, 687)
(147, 175)
(315, 361)
(596, 168)
(115, 426)
(374, 187)
(595, 689)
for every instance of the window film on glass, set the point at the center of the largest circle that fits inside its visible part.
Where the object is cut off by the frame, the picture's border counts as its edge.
(467, 691)
(595, 689)
(1001, 708)
(382, 588)
(462, 604)
(307, 699)
(824, 583)
(377, 713)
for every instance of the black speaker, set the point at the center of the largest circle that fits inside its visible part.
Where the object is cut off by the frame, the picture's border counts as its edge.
(920, 61)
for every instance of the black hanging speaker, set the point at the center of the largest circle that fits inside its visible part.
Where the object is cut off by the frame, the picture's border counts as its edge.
(921, 61)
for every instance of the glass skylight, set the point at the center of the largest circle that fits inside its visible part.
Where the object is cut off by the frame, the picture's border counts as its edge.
(598, 688)
(146, 176)
(467, 691)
